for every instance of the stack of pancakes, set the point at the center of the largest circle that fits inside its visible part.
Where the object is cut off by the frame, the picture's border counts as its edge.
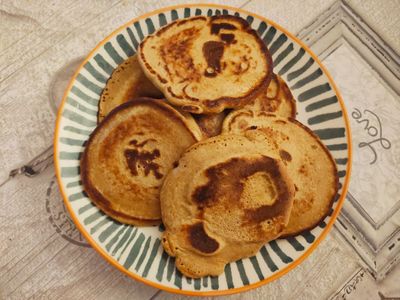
(197, 132)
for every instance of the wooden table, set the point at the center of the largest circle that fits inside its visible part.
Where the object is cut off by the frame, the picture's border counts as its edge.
(42, 254)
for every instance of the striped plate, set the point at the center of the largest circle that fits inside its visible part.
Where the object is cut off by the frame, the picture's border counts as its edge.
(137, 251)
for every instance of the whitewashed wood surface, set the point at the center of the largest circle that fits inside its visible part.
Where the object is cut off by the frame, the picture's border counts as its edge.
(38, 38)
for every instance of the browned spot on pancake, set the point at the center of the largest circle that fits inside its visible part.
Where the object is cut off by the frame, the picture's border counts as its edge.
(285, 155)
(224, 65)
(205, 194)
(216, 27)
(253, 127)
(200, 240)
(163, 80)
(278, 208)
(268, 131)
(228, 37)
(176, 55)
(243, 66)
(213, 51)
(190, 108)
(296, 188)
(314, 146)
(269, 105)
(175, 164)
(212, 104)
(169, 89)
(226, 181)
(280, 121)
(303, 205)
(140, 145)
(303, 169)
(243, 124)
(138, 157)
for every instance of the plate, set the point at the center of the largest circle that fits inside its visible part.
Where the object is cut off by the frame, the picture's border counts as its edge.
(138, 251)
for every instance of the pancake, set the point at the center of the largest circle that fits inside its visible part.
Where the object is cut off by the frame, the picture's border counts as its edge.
(309, 164)
(231, 199)
(206, 64)
(276, 99)
(126, 83)
(211, 124)
(129, 154)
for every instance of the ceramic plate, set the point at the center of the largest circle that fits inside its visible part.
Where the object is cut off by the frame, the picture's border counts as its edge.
(138, 251)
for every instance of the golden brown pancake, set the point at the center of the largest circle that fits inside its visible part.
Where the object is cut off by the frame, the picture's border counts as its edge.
(210, 124)
(127, 82)
(129, 154)
(309, 163)
(276, 99)
(206, 64)
(224, 200)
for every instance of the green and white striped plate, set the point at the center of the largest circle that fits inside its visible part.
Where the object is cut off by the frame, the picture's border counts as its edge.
(137, 251)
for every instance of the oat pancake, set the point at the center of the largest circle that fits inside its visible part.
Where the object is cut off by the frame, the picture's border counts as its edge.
(276, 99)
(309, 164)
(206, 64)
(126, 83)
(223, 200)
(129, 154)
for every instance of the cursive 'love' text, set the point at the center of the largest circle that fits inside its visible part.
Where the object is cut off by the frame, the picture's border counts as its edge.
(375, 132)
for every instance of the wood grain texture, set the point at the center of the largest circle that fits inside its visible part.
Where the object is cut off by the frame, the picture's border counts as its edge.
(37, 262)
